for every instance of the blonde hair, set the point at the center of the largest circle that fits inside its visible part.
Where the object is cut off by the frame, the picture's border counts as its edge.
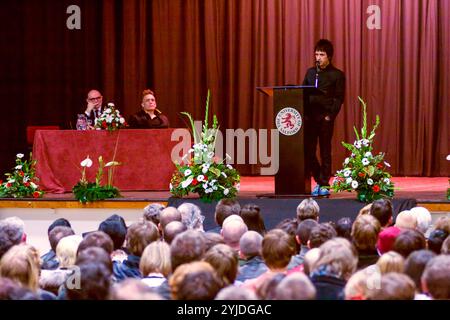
(66, 250)
(156, 258)
(21, 263)
(391, 262)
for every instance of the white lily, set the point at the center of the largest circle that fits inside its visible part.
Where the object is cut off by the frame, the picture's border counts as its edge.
(369, 182)
(387, 164)
(368, 154)
(86, 162)
(18, 167)
(346, 161)
(448, 157)
(112, 163)
(19, 155)
(349, 180)
(33, 185)
(187, 182)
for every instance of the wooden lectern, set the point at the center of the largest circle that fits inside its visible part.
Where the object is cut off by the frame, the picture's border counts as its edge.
(291, 178)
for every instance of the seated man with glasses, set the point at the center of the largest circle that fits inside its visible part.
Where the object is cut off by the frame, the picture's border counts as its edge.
(94, 107)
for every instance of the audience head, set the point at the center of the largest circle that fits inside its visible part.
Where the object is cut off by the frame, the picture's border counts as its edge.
(436, 278)
(251, 214)
(446, 246)
(277, 249)
(358, 284)
(225, 261)
(152, 212)
(311, 258)
(236, 293)
(10, 235)
(423, 218)
(409, 241)
(443, 223)
(406, 220)
(13, 290)
(365, 210)
(338, 257)
(365, 232)
(232, 231)
(94, 255)
(133, 289)
(66, 250)
(116, 229)
(94, 283)
(344, 228)
(156, 259)
(172, 229)
(195, 281)
(436, 239)
(308, 209)
(168, 215)
(61, 222)
(187, 247)
(304, 230)
(225, 208)
(57, 233)
(391, 262)
(21, 264)
(95, 98)
(296, 286)
(191, 216)
(290, 227)
(382, 210)
(415, 265)
(393, 286)
(250, 244)
(211, 239)
(139, 235)
(386, 239)
(97, 239)
(320, 234)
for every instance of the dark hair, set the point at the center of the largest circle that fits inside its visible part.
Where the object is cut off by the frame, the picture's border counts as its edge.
(116, 229)
(436, 277)
(325, 46)
(321, 234)
(277, 248)
(225, 262)
(382, 210)
(251, 214)
(95, 255)
(232, 204)
(267, 290)
(222, 212)
(57, 234)
(61, 222)
(409, 241)
(139, 235)
(199, 285)
(304, 230)
(436, 239)
(12, 290)
(96, 239)
(187, 247)
(344, 228)
(94, 283)
(289, 225)
(415, 264)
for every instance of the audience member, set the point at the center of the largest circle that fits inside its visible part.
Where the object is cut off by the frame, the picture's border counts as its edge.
(302, 237)
(382, 210)
(443, 223)
(155, 265)
(386, 239)
(236, 293)
(436, 278)
(115, 227)
(97, 239)
(152, 212)
(308, 209)
(393, 286)
(365, 232)
(423, 218)
(320, 234)
(311, 258)
(211, 239)
(187, 247)
(296, 286)
(13, 290)
(391, 262)
(253, 265)
(409, 241)
(406, 220)
(414, 267)
(10, 234)
(49, 260)
(446, 246)
(365, 210)
(267, 289)
(290, 226)
(224, 209)
(172, 229)
(94, 283)
(224, 260)
(191, 216)
(133, 289)
(251, 214)
(344, 228)
(232, 232)
(436, 239)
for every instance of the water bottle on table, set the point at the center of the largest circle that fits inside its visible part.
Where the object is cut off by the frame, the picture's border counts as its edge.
(82, 122)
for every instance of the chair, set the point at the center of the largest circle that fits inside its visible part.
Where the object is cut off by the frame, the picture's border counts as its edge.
(31, 130)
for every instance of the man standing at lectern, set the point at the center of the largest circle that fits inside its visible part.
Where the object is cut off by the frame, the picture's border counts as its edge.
(320, 112)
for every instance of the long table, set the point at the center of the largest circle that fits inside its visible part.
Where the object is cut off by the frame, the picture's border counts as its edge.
(145, 157)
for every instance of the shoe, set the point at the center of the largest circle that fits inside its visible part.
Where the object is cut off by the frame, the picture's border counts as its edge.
(324, 191)
(315, 192)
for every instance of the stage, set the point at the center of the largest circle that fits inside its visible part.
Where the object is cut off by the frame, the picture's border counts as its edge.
(39, 213)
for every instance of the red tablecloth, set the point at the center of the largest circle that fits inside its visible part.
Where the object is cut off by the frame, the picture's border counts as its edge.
(144, 154)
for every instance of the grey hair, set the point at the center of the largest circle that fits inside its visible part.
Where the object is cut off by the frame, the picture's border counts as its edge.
(152, 212)
(191, 216)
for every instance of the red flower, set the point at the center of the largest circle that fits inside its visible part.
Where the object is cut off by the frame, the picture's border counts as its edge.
(26, 184)
(194, 182)
(36, 194)
(104, 125)
(206, 178)
(8, 185)
(1, 181)
(379, 165)
(376, 188)
(361, 174)
(21, 173)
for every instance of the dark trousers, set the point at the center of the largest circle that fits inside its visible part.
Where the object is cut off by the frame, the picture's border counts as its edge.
(318, 130)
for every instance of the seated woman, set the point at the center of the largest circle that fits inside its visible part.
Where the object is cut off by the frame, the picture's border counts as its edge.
(149, 117)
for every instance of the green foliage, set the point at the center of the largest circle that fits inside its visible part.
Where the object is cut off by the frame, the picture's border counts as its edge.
(90, 192)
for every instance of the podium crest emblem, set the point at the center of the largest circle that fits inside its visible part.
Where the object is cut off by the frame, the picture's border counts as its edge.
(288, 121)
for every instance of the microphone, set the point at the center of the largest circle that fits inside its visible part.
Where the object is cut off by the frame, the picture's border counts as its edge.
(317, 66)
(316, 82)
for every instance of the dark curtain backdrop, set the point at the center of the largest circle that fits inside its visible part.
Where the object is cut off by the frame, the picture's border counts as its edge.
(182, 48)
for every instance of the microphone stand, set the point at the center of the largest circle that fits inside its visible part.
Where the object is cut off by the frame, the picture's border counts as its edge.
(317, 74)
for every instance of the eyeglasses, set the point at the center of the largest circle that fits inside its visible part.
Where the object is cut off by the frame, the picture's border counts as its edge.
(94, 98)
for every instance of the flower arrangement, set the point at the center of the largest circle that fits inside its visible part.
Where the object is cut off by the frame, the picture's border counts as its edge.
(22, 182)
(200, 171)
(110, 119)
(86, 191)
(363, 171)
